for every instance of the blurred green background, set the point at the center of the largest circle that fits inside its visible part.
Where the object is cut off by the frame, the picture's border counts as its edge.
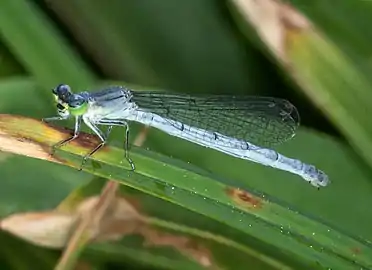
(199, 47)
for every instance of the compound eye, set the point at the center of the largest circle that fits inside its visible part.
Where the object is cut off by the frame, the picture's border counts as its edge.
(62, 91)
(61, 88)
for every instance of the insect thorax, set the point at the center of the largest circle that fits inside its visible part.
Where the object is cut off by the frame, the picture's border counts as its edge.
(111, 103)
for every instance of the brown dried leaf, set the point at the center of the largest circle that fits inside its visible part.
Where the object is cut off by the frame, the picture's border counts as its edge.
(185, 245)
(23, 146)
(273, 21)
(52, 229)
(49, 229)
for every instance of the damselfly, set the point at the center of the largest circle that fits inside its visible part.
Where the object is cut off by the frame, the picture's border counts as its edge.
(234, 125)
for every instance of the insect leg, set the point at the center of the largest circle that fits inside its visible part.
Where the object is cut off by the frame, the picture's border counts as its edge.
(55, 118)
(126, 142)
(73, 137)
(100, 134)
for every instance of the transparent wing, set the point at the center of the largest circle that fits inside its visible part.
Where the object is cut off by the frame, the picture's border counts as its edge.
(264, 121)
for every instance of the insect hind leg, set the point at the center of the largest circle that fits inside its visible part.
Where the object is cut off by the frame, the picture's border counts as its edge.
(126, 142)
